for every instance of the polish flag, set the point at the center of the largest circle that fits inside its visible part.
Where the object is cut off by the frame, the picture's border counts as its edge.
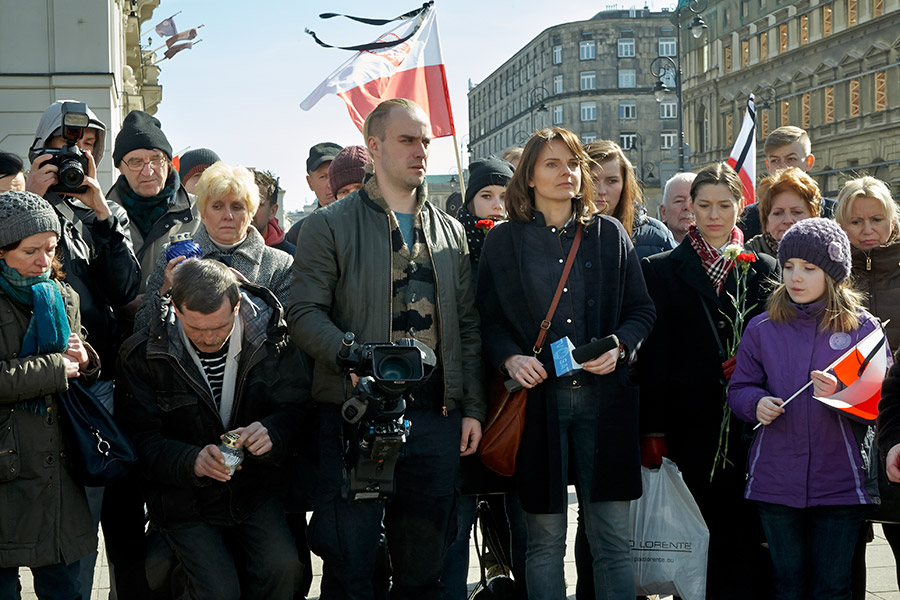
(412, 69)
(743, 155)
(862, 370)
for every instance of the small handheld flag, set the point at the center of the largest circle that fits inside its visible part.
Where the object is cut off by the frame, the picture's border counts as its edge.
(743, 155)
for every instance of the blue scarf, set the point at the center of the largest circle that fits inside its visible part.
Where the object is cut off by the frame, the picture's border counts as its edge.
(48, 331)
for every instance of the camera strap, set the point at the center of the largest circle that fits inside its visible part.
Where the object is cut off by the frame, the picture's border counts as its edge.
(570, 260)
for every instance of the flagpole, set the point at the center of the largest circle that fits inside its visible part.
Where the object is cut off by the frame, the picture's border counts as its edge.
(830, 367)
(462, 180)
(167, 57)
(143, 33)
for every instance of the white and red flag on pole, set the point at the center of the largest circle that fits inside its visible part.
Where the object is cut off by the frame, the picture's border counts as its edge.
(405, 62)
(166, 27)
(182, 36)
(861, 369)
(743, 155)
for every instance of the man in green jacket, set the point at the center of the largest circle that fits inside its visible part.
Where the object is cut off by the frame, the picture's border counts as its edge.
(385, 264)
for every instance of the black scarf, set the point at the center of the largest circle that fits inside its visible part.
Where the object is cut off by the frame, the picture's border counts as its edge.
(146, 211)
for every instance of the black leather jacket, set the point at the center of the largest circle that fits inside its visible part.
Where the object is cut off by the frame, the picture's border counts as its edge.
(165, 404)
(100, 265)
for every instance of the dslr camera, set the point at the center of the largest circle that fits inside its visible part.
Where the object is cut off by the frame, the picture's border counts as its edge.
(71, 162)
(375, 427)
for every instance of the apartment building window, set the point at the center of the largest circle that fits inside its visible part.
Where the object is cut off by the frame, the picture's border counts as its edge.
(587, 50)
(627, 78)
(668, 109)
(829, 104)
(826, 20)
(804, 29)
(763, 45)
(729, 129)
(558, 84)
(765, 123)
(880, 91)
(745, 53)
(804, 110)
(627, 109)
(727, 59)
(588, 111)
(667, 75)
(667, 46)
(667, 140)
(782, 38)
(785, 113)
(587, 138)
(588, 80)
(626, 47)
(851, 12)
(557, 55)
(557, 115)
(628, 141)
(854, 97)
(877, 8)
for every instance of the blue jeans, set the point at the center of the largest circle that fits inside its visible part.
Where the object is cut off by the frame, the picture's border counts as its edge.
(607, 524)
(53, 582)
(272, 567)
(420, 520)
(811, 548)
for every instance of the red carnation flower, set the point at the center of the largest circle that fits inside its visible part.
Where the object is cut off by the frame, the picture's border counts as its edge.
(485, 225)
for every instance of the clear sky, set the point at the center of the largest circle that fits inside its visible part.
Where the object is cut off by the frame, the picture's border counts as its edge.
(239, 90)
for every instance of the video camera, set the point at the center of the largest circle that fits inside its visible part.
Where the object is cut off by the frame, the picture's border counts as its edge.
(70, 161)
(375, 427)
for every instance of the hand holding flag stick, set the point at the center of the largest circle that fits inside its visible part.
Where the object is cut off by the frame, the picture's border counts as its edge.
(861, 369)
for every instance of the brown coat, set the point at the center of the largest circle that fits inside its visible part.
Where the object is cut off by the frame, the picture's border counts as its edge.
(44, 516)
(877, 274)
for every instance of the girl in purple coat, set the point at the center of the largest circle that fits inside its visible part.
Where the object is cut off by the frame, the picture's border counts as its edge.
(806, 469)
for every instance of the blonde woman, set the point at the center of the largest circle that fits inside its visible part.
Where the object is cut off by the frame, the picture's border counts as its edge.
(227, 198)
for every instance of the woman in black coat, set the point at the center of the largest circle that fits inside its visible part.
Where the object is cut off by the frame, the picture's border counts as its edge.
(592, 412)
(684, 368)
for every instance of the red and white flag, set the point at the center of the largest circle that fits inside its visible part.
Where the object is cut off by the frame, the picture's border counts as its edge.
(173, 50)
(743, 155)
(412, 69)
(182, 36)
(862, 370)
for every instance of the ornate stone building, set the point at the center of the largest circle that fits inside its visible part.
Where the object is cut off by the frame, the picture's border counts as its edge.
(831, 67)
(87, 50)
(592, 77)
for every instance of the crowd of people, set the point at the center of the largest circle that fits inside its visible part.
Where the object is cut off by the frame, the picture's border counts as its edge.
(240, 342)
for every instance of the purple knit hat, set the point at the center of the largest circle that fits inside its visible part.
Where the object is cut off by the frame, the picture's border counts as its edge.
(349, 166)
(819, 241)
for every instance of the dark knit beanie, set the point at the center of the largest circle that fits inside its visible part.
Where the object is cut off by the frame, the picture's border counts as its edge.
(349, 166)
(10, 164)
(485, 172)
(140, 131)
(196, 161)
(819, 241)
(23, 214)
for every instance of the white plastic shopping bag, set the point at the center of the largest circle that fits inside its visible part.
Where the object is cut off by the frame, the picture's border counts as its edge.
(670, 540)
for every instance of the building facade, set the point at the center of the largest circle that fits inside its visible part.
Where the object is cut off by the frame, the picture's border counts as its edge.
(592, 77)
(87, 51)
(831, 67)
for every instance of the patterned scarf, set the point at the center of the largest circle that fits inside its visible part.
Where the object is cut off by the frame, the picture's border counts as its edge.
(147, 211)
(771, 242)
(474, 234)
(716, 266)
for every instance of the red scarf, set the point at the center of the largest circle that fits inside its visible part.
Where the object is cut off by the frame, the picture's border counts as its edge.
(716, 266)
(274, 232)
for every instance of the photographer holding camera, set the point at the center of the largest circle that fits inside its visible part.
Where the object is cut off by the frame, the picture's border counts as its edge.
(94, 243)
(385, 264)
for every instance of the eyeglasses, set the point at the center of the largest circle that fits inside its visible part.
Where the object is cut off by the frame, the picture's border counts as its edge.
(137, 164)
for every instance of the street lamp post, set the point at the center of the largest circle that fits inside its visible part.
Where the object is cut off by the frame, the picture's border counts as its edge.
(659, 64)
(537, 95)
(640, 149)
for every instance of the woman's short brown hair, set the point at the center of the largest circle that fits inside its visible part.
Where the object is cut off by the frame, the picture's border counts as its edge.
(792, 179)
(603, 151)
(719, 174)
(520, 195)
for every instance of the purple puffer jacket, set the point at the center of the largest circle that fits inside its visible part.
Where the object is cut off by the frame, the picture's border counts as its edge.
(810, 455)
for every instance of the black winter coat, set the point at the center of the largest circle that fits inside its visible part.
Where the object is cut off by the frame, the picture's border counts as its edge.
(616, 302)
(680, 366)
(100, 265)
(164, 402)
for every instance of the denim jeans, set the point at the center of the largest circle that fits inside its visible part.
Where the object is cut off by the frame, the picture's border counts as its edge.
(606, 523)
(811, 548)
(272, 567)
(419, 520)
(53, 582)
